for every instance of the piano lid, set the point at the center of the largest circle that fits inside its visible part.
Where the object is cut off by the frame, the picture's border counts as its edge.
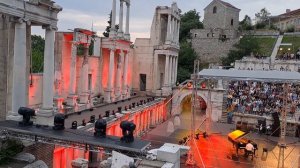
(236, 134)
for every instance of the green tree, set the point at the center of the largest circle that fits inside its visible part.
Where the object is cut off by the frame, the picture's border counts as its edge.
(37, 46)
(262, 18)
(246, 24)
(245, 47)
(107, 29)
(189, 20)
(187, 55)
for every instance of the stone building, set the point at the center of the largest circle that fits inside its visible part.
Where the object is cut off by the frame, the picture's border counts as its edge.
(82, 81)
(289, 19)
(220, 32)
(108, 74)
(156, 58)
(16, 20)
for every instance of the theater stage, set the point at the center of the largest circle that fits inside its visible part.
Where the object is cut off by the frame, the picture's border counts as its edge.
(72, 138)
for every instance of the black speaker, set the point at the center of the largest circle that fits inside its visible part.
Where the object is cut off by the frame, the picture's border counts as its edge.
(74, 125)
(276, 124)
(107, 113)
(298, 131)
(92, 119)
(262, 122)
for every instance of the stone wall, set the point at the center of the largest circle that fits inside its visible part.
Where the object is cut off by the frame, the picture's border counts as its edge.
(251, 63)
(42, 152)
(262, 33)
(143, 60)
(35, 91)
(222, 17)
(210, 46)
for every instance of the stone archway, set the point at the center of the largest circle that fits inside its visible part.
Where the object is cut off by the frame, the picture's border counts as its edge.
(181, 96)
(214, 104)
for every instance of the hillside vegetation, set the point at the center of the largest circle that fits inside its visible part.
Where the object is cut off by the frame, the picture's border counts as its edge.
(295, 40)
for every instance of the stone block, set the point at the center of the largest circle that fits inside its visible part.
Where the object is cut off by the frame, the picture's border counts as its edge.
(37, 164)
(168, 154)
(168, 165)
(170, 127)
(80, 163)
(24, 157)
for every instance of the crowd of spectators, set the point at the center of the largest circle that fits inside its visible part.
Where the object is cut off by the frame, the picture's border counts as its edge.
(289, 56)
(261, 98)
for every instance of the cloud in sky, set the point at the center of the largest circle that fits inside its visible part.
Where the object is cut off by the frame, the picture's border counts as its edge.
(78, 13)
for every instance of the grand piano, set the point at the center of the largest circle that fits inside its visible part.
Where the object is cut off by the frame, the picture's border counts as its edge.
(239, 140)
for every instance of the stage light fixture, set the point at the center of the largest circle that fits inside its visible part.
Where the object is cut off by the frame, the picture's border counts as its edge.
(74, 125)
(119, 109)
(59, 122)
(100, 128)
(83, 122)
(127, 131)
(107, 113)
(92, 118)
(26, 113)
(133, 105)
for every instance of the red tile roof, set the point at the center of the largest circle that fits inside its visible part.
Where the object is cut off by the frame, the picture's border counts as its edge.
(291, 13)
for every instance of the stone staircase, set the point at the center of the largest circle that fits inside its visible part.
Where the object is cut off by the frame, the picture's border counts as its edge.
(275, 51)
(224, 110)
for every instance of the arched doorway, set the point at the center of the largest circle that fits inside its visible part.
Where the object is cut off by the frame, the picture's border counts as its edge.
(186, 105)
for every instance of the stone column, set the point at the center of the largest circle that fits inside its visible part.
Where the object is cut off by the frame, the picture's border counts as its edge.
(72, 98)
(155, 72)
(125, 85)
(84, 77)
(168, 41)
(72, 87)
(220, 84)
(170, 71)
(48, 76)
(19, 88)
(174, 71)
(176, 67)
(118, 76)
(110, 75)
(112, 32)
(174, 30)
(120, 32)
(127, 35)
(178, 30)
(166, 82)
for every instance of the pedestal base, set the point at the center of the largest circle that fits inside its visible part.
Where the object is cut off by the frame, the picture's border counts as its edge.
(45, 112)
(166, 90)
(44, 119)
(120, 34)
(58, 101)
(72, 100)
(127, 37)
(84, 98)
(14, 116)
(109, 96)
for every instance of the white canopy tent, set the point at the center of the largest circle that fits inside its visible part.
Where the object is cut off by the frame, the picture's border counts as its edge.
(264, 76)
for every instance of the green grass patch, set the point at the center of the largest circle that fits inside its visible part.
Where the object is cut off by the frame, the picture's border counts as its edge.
(295, 40)
(266, 45)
